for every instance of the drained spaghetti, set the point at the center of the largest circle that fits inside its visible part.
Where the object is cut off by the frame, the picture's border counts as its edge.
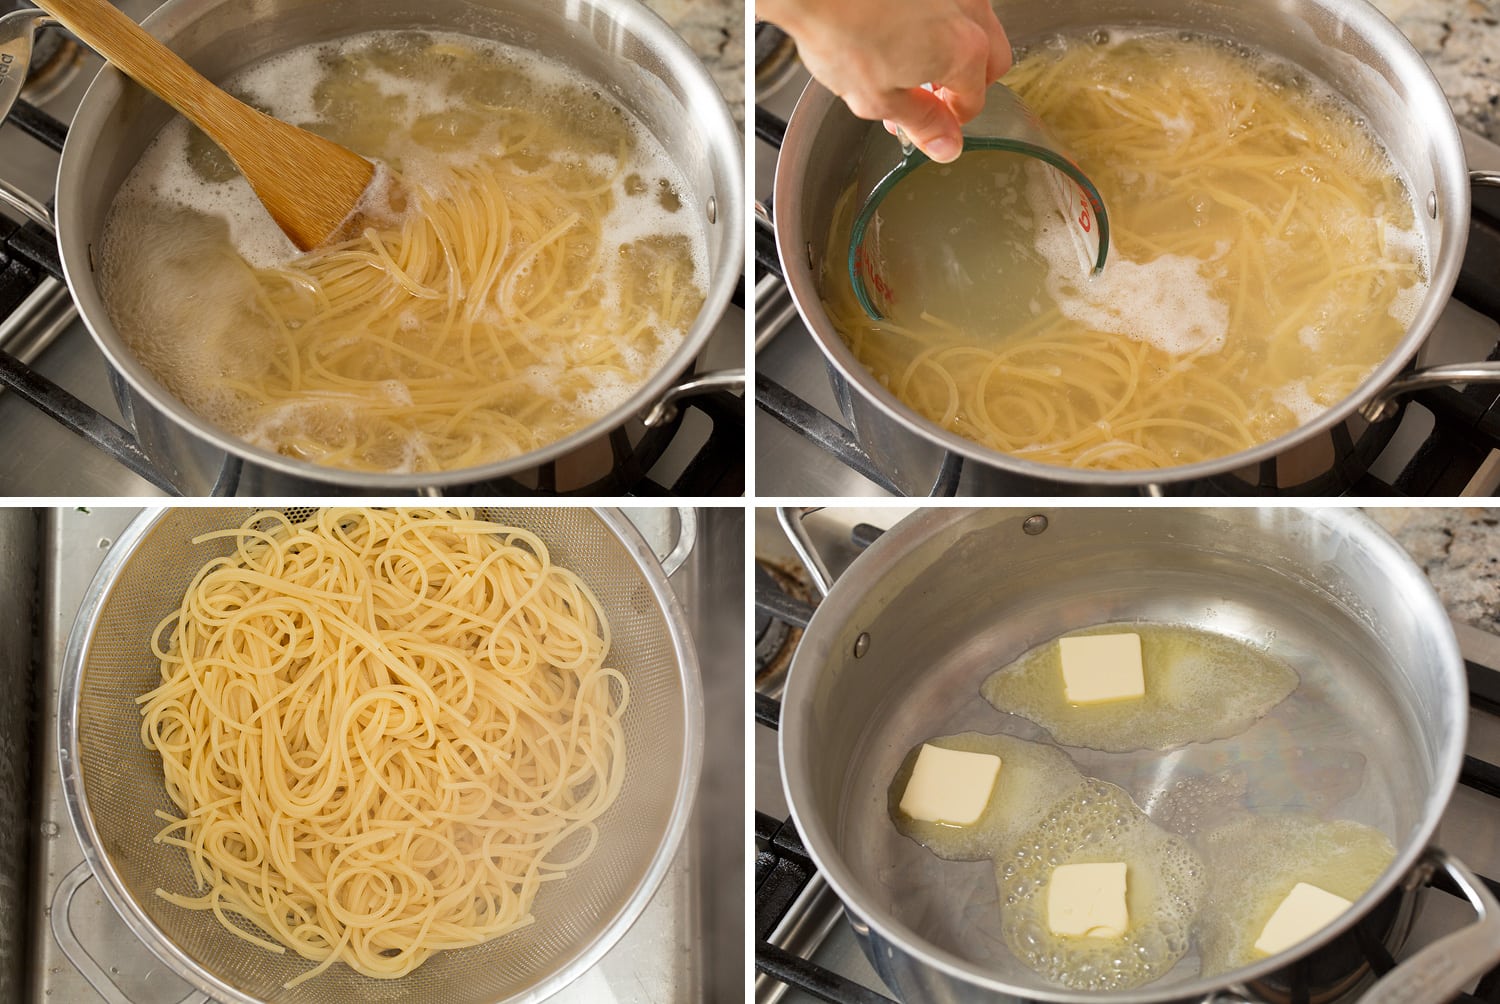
(1264, 259)
(542, 270)
(383, 732)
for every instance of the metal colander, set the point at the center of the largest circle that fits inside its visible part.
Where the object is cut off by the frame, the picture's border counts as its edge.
(113, 783)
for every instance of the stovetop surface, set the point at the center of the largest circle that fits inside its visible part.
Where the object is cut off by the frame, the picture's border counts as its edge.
(1468, 827)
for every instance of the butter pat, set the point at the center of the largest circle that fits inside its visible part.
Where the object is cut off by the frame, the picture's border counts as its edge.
(1102, 667)
(1088, 901)
(950, 786)
(1305, 911)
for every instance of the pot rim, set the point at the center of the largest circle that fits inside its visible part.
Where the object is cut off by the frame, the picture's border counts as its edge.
(816, 103)
(633, 18)
(822, 846)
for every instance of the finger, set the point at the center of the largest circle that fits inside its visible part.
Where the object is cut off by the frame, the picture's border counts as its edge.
(1000, 56)
(963, 91)
(928, 122)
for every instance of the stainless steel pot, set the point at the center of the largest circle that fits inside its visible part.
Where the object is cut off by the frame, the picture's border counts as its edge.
(1352, 48)
(897, 650)
(620, 44)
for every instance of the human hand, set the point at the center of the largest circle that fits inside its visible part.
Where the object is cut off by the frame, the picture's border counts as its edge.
(877, 54)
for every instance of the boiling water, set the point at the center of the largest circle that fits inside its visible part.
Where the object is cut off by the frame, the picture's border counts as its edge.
(1264, 258)
(517, 346)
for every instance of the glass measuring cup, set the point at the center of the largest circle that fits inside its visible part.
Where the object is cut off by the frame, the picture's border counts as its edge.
(888, 277)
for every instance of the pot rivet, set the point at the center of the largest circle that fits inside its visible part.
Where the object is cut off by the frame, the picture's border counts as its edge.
(861, 645)
(1432, 204)
(713, 209)
(1034, 525)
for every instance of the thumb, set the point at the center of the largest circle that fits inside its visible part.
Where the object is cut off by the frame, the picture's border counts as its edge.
(928, 121)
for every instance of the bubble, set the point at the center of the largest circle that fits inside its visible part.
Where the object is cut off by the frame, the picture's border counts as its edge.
(1254, 860)
(1199, 686)
(197, 317)
(1163, 893)
(1031, 779)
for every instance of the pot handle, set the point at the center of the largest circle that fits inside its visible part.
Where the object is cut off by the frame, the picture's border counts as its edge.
(790, 518)
(1444, 968)
(665, 408)
(1384, 404)
(1440, 971)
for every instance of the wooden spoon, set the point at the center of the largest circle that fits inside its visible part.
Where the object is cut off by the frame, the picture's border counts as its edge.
(309, 184)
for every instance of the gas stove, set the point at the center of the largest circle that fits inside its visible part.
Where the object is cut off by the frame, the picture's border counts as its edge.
(806, 948)
(1447, 443)
(68, 438)
(61, 940)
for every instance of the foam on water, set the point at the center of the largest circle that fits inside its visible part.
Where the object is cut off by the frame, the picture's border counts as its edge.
(1167, 302)
(1260, 234)
(1298, 399)
(165, 177)
(187, 350)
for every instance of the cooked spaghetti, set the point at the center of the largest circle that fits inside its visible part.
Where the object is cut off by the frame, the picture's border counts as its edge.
(1264, 259)
(383, 732)
(542, 270)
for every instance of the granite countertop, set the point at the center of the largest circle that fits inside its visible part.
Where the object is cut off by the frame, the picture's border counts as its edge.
(1461, 41)
(1459, 549)
(715, 30)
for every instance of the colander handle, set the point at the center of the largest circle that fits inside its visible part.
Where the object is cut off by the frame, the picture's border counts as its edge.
(670, 540)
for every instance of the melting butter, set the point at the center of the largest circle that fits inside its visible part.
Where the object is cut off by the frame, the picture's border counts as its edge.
(1198, 687)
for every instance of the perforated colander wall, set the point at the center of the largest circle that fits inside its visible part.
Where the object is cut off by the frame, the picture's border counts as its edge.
(121, 778)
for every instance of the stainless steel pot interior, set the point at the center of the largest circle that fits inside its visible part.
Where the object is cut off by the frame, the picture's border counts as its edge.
(620, 44)
(113, 783)
(1374, 732)
(1349, 46)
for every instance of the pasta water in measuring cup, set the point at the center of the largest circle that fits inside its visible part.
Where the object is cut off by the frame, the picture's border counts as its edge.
(930, 240)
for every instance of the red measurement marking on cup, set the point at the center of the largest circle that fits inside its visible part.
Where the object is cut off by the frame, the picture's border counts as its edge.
(871, 277)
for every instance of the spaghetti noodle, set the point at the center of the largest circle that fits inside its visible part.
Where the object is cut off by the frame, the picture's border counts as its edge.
(383, 732)
(1264, 259)
(542, 271)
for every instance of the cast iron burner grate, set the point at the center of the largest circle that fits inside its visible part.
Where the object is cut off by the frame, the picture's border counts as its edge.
(1466, 424)
(29, 257)
(783, 868)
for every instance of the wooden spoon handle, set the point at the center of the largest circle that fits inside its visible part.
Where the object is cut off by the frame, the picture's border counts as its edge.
(124, 43)
(308, 184)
